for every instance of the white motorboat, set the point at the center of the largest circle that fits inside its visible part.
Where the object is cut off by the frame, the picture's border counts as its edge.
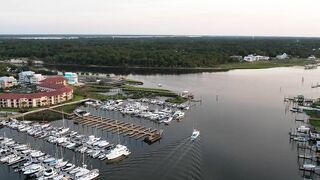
(59, 177)
(91, 175)
(75, 170)
(96, 153)
(68, 167)
(14, 159)
(48, 160)
(92, 140)
(36, 154)
(49, 173)
(60, 164)
(71, 145)
(117, 152)
(63, 131)
(33, 170)
(103, 143)
(27, 151)
(178, 114)
(81, 172)
(195, 134)
(167, 121)
(309, 167)
(6, 158)
(81, 113)
(83, 149)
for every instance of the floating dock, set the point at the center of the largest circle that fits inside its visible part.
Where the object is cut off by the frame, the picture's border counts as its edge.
(116, 126)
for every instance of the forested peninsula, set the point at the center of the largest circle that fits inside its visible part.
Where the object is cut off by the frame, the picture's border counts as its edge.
(171, 52)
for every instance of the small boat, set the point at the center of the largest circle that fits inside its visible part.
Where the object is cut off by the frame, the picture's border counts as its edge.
(309, 167)
(167, 121)
(49, 173)
(81, 172)
(117, 152)
(14, 159)
(195, 134)
(75, 170)
(37, 154)
(48, 160)
(91, 175)
(68, 167)
(33, 170)
(61, 164)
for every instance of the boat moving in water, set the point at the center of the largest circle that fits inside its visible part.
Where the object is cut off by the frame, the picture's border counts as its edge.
(195, 134)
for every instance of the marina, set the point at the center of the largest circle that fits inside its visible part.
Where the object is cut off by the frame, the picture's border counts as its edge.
(91, 145)
(38, 165)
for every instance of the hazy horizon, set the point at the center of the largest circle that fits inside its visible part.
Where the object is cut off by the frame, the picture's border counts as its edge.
(280, 18)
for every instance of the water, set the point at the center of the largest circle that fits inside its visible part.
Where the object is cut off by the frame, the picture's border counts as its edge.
(244, 126)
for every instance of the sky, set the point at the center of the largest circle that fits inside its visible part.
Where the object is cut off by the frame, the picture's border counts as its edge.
(161, 17)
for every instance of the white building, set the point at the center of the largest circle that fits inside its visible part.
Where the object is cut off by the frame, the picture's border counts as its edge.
(18, 61)
(36, 78)
(282, 56)
(6, 82)
(72, 78)
(251, 58)
(30, 77)
(24, 76)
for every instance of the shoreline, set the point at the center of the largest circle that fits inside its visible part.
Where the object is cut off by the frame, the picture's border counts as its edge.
(220, 67)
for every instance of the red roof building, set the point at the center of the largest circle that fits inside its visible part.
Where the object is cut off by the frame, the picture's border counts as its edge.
(52, 90)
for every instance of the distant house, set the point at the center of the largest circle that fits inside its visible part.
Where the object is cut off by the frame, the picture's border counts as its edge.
(282, 56)
(312, 57)
(251, 58)
(6, 82)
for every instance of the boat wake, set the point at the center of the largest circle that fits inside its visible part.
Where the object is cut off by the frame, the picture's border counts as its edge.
(180, 160)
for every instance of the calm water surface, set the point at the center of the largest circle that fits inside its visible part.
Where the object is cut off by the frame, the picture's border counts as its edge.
(244, 126)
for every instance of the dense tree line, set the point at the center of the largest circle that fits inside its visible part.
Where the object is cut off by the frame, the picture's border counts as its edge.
(155, 52)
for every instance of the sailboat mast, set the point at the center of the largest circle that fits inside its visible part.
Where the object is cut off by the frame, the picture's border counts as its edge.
(62, 118)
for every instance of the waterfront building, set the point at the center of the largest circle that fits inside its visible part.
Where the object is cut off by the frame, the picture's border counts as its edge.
(36, 78)
(6, 82)
(30, 77)
(50, 91)
(24, 76)
(251, 58)
(72, 78)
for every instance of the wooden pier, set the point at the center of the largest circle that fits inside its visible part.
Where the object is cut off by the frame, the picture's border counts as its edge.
(116, 126)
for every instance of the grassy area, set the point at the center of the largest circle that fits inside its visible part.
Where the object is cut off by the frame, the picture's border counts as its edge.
(67, 108)
(315, 123)
(149, 91)
(265, 64)
(177, 100)
(98, 87)
(20, 110)
(314, 119)
(42, 116)
(89, 92)
(132, 81)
